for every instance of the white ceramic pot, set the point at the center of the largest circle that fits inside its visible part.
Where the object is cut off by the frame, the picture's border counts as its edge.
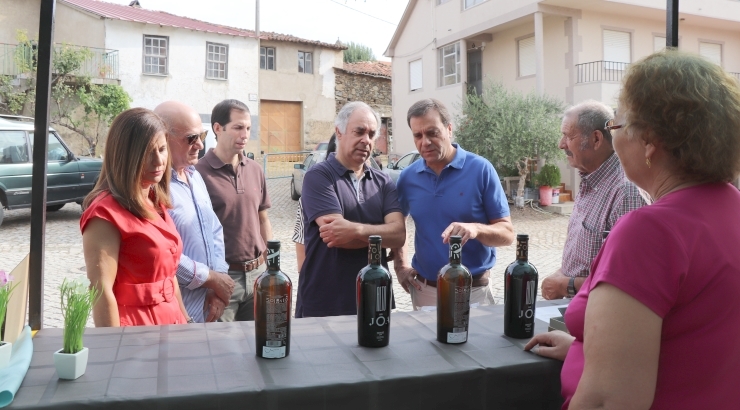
(5, 349)
(70, 366)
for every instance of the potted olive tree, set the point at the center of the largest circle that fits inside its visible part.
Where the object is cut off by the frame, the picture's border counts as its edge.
(78, 299)
(548, 178)
(6, 289)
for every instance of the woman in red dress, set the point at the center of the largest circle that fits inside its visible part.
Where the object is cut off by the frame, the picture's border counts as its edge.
(130, 243)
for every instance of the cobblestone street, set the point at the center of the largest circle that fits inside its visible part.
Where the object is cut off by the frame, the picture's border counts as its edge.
(64, 257)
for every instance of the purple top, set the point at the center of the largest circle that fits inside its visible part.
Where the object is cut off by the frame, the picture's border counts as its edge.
(327, 278)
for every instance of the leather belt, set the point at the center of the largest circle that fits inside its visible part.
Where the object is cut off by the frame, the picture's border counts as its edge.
(248, 265)
(478, 281)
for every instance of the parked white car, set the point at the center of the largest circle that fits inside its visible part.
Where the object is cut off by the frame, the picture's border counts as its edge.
(394, 168)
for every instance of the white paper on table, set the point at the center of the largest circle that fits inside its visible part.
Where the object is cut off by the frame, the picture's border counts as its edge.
(546, 313)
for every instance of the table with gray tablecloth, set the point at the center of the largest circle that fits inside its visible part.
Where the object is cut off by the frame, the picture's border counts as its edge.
(213, 366)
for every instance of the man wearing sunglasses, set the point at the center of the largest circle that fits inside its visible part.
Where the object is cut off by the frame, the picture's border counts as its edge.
(604, 194)
(236, 185)
(201, 273)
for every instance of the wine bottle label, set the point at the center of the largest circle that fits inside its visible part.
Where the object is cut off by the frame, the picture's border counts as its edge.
(273, 258)
(457, 336)
(522, 250)
(273, 352)
(374, 254)
(526, 312)
(276, 316)
(455, 251)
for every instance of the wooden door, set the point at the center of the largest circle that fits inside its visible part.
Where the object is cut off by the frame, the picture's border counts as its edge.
(280, 126)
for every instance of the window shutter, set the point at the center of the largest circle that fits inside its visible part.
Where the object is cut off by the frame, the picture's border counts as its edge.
(712, 52)
(527, 59)
(617, 46)
(658, 43)
(415, 75)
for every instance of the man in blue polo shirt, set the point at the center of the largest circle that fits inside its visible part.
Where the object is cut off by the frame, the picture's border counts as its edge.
(451, 192)
(344, 202)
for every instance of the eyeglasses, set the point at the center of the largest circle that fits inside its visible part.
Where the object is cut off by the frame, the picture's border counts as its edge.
(610, 126)
(192, 138)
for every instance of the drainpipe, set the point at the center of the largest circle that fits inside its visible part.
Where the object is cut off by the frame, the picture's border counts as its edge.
(671, 24)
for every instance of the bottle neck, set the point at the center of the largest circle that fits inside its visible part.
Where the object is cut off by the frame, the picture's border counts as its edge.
(455, 253)
(273, 259)
(373, 254)
(522, 250)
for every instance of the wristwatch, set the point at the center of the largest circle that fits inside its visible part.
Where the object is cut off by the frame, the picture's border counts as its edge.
(572, 287)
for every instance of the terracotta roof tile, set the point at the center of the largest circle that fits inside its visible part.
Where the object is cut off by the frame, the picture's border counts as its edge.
(376, 68)
(141, 15)
(266, 35)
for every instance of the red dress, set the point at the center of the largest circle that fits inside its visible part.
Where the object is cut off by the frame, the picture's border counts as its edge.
(147, 261)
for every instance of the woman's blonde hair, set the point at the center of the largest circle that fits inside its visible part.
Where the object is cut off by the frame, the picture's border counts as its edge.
(691, 107)
(131, 140)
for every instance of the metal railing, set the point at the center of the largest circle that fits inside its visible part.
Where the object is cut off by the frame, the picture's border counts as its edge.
(281, 164)
(99, 64)
(597, 71)
(736, 75)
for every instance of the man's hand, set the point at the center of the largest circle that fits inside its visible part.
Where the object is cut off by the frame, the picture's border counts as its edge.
(406, 277)
(554, 345)
(555, 286)
(214, 306)
(337, 231)
(221, 284)
(465, 230)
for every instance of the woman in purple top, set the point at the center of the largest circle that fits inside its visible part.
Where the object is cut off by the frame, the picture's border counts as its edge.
(656, 323)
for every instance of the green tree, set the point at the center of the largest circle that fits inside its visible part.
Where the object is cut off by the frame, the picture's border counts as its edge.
(357, 52)
(510, 128)
(71, 91)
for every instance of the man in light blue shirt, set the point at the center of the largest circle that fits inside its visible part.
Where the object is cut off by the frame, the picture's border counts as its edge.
(205, 288)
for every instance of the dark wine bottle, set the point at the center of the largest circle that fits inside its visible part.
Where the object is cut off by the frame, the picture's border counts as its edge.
(272, 307)
(374, 287)
(520, 293)
(454, 284)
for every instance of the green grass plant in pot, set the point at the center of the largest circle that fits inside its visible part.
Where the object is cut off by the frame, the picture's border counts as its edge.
(548, 178)
(6, 289)
(78, 299)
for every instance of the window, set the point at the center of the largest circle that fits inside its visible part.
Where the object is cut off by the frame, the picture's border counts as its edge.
(449, 64)
(13, 148)
(155, 55)
(305, 62)
(658, 43)
(527, 57)
(711, 51)
(415, 75)
(217, 61)
(471, 3)
(617, 46)
(267, 58)
(55, 151)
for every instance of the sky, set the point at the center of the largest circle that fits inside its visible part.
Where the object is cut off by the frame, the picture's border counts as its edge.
(368, 22)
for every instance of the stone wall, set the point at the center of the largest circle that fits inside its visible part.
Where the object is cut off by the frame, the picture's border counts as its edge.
(374, 91)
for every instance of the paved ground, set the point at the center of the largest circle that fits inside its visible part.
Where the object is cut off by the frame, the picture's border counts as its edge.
(64, 258)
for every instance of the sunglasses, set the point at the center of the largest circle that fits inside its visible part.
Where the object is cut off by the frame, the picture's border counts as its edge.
(610, 126)
(192, 138)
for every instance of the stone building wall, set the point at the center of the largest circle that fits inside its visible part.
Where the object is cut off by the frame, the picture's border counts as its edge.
(372, 90)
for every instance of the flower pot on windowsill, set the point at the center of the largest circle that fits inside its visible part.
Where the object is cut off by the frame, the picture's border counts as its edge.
(70, 366)
(545, 195)
(6, 348)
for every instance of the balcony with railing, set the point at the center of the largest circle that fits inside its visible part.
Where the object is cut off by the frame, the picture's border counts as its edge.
(600, 71)
(101, 65)
(736, 75)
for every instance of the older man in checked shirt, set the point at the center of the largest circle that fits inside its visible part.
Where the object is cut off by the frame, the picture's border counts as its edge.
(604, 194)
(205, 287)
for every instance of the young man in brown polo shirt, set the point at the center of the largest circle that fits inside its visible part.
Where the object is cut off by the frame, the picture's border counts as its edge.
(236, 185)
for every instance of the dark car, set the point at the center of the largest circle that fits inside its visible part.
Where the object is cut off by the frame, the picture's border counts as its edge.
(299, 171)
(68, 179)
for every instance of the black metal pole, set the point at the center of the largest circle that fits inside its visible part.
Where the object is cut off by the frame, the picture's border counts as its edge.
(40, 146)
(671, 24)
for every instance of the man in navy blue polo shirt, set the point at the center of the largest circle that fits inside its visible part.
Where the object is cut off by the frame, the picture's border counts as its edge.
(344, 202)
(450, 192)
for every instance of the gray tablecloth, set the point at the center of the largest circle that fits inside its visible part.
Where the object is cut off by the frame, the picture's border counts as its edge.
(214, 366)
